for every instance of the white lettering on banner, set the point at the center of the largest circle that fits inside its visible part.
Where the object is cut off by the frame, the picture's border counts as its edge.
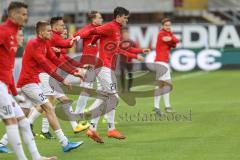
(212, 36)
(183, 60)
(206, 59)
(229, 36)
(149, 39)
(207, 36)
(188, 42)
(186, 60)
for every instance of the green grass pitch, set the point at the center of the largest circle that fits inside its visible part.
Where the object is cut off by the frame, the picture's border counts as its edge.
(211, 133)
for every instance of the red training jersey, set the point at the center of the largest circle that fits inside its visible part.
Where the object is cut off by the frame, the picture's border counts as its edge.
(87, 40)
(163, 48)
(38, 57)
(8, 49)
(89, 54)
(110, 43)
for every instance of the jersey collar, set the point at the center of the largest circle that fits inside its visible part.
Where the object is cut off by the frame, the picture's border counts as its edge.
(12, 25)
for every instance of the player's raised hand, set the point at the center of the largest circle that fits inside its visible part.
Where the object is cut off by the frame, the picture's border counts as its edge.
(57, 50)
(67, 84)
(140, 58)
(75, 39)
(146, 51)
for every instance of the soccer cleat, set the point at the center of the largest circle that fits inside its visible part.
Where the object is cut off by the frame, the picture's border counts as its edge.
(47, 135)
(94, 136)
(81, 127)
(115, 134)
(4, 149)
(48, 158)
(169, 110)
(157, 111)
(72, 145)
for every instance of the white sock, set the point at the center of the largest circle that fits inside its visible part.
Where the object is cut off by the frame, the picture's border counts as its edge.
(4, 140)
(33, 115)
(73, 123)
(110, 118)
(45, 125)
(28, 138)
(82, 102)
(61, 137)
(166, 100)
(111, 103)
(96, 113)
(15, 141)
(157, 98)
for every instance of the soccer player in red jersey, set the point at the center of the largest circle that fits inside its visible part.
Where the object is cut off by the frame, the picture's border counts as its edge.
(53, 90)
(36, 59)
(89, 54)
(166, 40)
(110, 47)
(23, 122)
(10, 111)
(17, 17)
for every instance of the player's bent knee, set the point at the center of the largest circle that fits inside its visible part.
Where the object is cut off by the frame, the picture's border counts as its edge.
(10, 121)
(20, 118)
(47, 108)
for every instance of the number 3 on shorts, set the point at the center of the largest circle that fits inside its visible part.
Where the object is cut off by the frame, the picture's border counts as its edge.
(42, 97)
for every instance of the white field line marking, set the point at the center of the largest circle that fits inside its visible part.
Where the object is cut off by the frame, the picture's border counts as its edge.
(189, 75)
(177, 78)
(210, 102)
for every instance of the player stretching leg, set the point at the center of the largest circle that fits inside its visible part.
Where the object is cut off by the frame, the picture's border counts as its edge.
(17, 17)
(109, 33)
(166, 40)
(53, 90)
(34, 62)
(23, 122)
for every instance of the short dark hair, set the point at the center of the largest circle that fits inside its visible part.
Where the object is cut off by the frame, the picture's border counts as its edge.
(165, 20)
(40, 25)
(16, 5)
(54, 20)
(120, 11)
(92, 14)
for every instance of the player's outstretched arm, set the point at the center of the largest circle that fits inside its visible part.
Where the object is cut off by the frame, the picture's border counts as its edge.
(100, 30)
(62, 43)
